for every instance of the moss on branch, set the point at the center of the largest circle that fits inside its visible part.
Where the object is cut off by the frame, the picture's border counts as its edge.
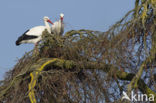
(68, 64)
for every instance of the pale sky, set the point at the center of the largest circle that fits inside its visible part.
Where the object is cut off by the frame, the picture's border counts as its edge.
(19, 15)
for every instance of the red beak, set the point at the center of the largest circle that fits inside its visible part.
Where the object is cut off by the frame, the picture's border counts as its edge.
(50, 21)
(61, 18)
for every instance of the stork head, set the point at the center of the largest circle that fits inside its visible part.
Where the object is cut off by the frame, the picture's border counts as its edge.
(47, 19)
(61, 16)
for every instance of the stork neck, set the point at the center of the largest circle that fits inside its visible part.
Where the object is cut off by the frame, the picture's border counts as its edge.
(47, 26)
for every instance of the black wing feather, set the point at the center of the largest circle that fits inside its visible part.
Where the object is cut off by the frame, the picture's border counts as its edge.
(25, 37)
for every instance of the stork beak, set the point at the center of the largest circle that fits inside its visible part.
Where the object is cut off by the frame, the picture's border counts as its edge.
(50, 22)
(61, 18)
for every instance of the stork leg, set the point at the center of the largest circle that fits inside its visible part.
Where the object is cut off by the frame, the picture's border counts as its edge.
(36, 51)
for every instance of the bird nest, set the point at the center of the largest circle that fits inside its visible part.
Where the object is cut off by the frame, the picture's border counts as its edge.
(56, 73)
(86, 66)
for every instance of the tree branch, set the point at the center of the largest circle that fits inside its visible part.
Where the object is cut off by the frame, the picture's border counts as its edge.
(68, 64)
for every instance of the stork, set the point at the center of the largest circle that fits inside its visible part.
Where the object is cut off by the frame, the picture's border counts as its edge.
(58, 26)
(34, 35)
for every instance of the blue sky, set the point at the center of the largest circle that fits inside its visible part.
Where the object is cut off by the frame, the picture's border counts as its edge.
(19, 15)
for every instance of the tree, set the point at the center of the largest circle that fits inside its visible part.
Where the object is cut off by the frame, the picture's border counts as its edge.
(86, 66)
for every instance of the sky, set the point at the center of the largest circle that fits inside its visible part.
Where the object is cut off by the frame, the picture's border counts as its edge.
(17, 16)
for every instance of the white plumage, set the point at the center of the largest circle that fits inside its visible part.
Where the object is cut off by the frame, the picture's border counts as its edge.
(58, 26)
(34, 35)
(36, 31)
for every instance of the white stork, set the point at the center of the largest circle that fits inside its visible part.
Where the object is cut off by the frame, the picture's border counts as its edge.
(34, 35)
(58, 26)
